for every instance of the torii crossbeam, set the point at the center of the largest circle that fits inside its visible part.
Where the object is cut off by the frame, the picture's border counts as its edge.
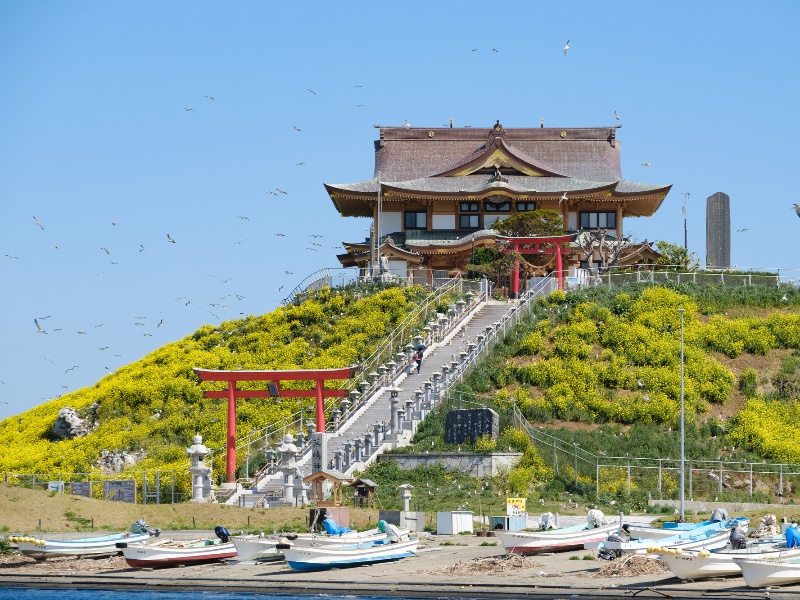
(539, 245)
(318, 376)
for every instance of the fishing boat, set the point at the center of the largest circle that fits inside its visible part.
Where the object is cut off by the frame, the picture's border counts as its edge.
(698, 564)
(710, 537)
(257, 548)
(596, 529)
(317, 558)
(166, 553)
(769, 572)
(100, 545)
(670, 528)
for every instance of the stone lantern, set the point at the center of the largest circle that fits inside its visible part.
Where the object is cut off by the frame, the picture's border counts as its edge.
(405, 494)
(288, 452)
(201, 473)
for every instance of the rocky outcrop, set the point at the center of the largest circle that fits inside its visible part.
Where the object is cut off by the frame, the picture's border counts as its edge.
(115, 461)
(69, 425)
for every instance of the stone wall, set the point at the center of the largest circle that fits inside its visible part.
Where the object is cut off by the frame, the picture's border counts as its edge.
(476, 465)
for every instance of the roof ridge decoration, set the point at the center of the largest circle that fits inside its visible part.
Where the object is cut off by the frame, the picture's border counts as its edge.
(498, 153)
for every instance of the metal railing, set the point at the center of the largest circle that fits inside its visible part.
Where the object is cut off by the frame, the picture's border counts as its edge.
(656, 277)
(660, 476)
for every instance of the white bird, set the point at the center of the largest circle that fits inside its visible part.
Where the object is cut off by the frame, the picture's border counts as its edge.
(169, 239)
(797, 209)
(406, 124)
(616, 116)
(741, 230)
(209, 97)
(38, 327)
(42, 226)
(563, 198)
(566, 47)
(647, 164)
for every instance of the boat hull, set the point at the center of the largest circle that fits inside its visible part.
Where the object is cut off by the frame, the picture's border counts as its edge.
(94, 546)
(555, 540)
(765, 573)
(174, 553)
(256, 548)
(694, 564)
(311, 558)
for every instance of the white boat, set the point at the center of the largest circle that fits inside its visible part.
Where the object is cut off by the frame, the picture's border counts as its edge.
(166, 553)
(94, 546)
(349, 537)
(553, 540)
(698, 564)
(713, 536)
(98, 545)
(769, 572)
(316, 558)
(256, 548)
(671, 528)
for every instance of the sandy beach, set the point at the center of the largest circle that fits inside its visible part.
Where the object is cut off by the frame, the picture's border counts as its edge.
(446, 566)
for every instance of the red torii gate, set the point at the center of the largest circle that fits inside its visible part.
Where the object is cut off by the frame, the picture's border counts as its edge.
(534, 245)
(275, 377)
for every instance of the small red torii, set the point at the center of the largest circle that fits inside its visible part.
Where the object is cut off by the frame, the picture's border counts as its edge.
(319, 376)
(534, 245)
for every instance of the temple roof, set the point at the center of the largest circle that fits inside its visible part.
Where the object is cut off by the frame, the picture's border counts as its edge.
(527, 162)
(409, 153)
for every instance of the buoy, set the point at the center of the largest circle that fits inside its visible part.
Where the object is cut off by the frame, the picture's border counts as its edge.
(678, 551)
(704, 553)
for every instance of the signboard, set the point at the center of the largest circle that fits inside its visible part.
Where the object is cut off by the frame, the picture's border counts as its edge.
(470, 424)
(319, 452)
(120, 491)
(81, 488)
(515, 506)
(55, 487)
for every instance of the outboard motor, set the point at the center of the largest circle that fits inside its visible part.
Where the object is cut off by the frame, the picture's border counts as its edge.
(737, 539)
(595, 518)
(608, 554)
(141, 526)
(719, 515)
(222, 534)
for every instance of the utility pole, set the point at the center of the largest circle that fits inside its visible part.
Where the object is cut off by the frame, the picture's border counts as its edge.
(683, 210)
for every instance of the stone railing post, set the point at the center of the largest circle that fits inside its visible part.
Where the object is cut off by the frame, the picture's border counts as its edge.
(354, 398)
(357, 449)
(382, 375)
(337, 460)
(367, 444)
(348, 448)
(376, 432)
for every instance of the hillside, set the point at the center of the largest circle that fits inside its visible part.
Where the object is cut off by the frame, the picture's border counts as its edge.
(601, 369)
(154, 406)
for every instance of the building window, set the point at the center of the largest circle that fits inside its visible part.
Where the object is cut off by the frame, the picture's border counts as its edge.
(526, 206)
(599, 220)
(468, 221)
(497, 206)
(416, 220)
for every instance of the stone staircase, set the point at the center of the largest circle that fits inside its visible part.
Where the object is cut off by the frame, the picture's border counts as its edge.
(393, 404)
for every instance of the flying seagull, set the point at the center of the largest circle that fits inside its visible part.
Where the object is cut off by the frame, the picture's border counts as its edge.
(189, 109)
(797, 209)
(647, 164)
(70, 369)
(296, 128)
(563, 198)
(616, 116)
(209, 97)
(105, 250)
(169, 239)
(38, 223)
(312, 91)
(566, 47)
(741, 230)
(38, 327)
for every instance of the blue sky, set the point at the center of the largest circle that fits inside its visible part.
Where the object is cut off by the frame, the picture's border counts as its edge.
(96, 144)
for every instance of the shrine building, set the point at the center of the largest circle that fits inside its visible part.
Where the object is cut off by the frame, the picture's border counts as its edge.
(436, 192)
